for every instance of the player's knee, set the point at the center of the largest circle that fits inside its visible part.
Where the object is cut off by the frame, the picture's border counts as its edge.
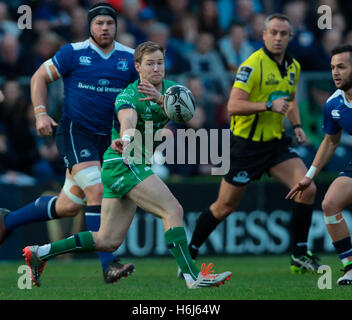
(177, 210)
(221, 210)
(329, 206)
(89, 180)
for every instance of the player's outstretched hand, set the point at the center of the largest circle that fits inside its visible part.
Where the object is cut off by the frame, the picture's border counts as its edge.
(299, 188)
(149, 90)
(45, 125)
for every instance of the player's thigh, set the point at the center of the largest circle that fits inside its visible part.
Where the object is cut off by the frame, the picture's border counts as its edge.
(152, 195)
(338, 196)
(116, 218)
(228, 199)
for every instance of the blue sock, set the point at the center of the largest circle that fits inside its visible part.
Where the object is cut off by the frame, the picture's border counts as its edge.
(42, 209)
(92, 214)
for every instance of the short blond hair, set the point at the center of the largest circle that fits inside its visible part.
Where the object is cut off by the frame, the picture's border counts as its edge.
(147, 47)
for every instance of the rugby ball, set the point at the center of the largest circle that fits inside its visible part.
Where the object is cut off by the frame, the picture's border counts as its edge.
(179, 104)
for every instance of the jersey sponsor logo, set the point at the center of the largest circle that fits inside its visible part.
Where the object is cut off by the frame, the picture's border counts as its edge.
(103, 82)
(335, 114)
(122, 65)
(85, 60)
(241, 177)
(271, 80)
(244, 74)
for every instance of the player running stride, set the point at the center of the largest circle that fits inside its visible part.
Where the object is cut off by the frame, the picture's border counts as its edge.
(94, 72)
(128, 183)
(337, 117)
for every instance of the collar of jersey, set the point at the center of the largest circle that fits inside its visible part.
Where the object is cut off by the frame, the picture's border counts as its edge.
(101, 53)
(286, 62)
(347, 104)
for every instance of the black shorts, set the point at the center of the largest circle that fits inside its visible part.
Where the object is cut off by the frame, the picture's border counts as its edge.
(249, 159)
(77, 144)
(347, 171)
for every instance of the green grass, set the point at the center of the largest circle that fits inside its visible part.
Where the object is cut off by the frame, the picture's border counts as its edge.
(254, 278)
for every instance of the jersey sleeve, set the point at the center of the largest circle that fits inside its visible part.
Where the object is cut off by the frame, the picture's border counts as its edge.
(246, 77)
(63, 60)
(126, 99)
(330, 126)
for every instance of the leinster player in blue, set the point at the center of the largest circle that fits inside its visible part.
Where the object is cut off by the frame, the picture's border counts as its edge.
(94, 72)
(337, 117)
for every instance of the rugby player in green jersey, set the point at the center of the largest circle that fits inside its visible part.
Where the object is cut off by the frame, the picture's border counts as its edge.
(129, 181)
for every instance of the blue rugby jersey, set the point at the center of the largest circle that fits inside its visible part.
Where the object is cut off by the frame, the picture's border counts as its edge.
(337, 114)
(92, 80)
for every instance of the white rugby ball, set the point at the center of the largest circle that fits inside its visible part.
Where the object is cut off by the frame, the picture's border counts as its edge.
(179, 104)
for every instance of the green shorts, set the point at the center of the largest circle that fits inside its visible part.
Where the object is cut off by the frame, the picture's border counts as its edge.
(119, 178)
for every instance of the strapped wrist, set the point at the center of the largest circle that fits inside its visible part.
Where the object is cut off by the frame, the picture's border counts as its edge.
(311, 172)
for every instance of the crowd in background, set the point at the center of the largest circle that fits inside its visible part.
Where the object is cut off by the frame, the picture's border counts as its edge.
(205, 43)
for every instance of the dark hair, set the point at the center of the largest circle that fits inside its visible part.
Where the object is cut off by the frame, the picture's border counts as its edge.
(342, 48)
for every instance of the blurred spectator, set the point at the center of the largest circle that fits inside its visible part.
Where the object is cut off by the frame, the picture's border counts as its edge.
(312, 114)
(175, 62)
(204, 99)
(21, 163)
(207, 63)
(147, 18)
(14, 60)
(339, 22)
(312, 110)
(131, 10)
(244, 11)
(184, 32)
(79, 26)
(256, 29)
(7, 25)
(303, 38)
(127, 39)
(45, 48)
(208, 19)
(172, 11)
(235, 47)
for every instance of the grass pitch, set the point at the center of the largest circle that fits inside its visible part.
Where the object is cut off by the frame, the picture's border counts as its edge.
(254, 278)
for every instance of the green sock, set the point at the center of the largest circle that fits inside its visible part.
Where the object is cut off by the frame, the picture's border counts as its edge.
(81, 242)
(176, 241)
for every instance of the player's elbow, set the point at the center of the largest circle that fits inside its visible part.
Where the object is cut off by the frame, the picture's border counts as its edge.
(234, 108)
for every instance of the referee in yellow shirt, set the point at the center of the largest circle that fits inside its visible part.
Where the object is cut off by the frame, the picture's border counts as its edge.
(262, 95)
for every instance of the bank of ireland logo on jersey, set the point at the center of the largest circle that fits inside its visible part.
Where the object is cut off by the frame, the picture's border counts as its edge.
(85, 60)
(122, 65)
(103, 82)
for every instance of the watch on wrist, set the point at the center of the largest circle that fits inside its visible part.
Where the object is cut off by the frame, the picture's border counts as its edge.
(268, 105)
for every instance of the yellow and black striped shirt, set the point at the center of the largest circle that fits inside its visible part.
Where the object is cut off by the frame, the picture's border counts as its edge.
(264, 79)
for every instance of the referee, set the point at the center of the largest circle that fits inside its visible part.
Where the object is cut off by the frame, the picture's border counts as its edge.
(263, 94)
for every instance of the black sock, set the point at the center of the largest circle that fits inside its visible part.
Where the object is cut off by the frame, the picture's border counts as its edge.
(300, 224)
(206, 224)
